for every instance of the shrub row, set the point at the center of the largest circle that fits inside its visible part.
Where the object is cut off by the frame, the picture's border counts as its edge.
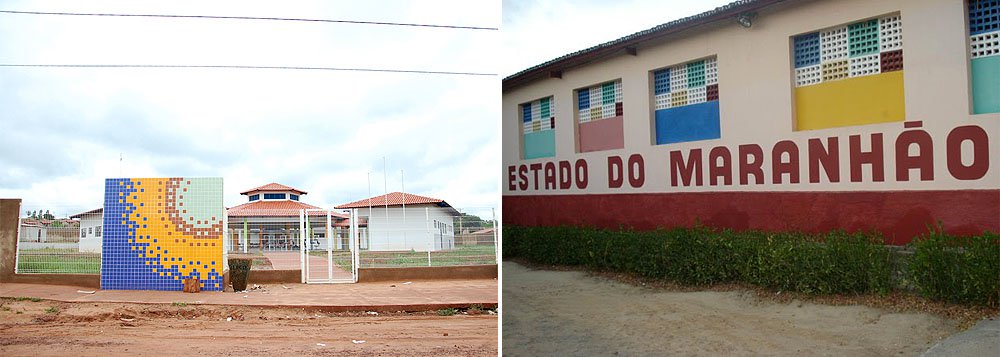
(957, 269)
(817, 264)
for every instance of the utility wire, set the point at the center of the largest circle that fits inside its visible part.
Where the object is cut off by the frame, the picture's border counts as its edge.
(249, 18)
(243, 67)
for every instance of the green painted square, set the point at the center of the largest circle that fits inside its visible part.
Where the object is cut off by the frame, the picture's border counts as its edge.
(545, 108)
(986, 85)
(540, 144)
(696, 74)
(862, 38)
(608, 93)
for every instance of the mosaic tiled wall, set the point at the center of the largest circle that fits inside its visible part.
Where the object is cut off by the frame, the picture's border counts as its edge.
(984, 40)
(539, 119)
(686, 102)
(600, 116)
(849, 75)
(159, 231)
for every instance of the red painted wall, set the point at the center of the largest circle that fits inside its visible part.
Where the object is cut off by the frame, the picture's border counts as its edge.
(899, 215)
(604, 134)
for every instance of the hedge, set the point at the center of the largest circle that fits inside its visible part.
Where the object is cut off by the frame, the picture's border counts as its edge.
(945, 268)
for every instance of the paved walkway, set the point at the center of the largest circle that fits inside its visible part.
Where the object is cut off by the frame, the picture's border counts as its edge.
(380, 296)
(983, 339)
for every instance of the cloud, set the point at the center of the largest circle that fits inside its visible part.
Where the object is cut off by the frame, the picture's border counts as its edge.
(320, 131)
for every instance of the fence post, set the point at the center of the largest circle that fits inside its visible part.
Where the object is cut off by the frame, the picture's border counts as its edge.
(17, 241)
(430, 240)
(496, 230)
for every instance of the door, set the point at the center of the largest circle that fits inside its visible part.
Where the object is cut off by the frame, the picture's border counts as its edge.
(323, 260)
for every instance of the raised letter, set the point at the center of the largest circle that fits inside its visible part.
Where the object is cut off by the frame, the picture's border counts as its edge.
(565, 175)
(873, 157)
(581, 173)
(636, 171)
(779, 167)
(615, 177)
(925, 153)
(522, 172)
(748, 167)
(685, 171)
(829, 158)
(550, 176)
(534, 170)
(980, 152)
(716, 170)
(511, 177)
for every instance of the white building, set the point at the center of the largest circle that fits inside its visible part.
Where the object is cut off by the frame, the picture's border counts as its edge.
(401, 221)
(91, 227)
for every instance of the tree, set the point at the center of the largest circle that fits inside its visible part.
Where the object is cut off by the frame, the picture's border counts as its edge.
(48, 215)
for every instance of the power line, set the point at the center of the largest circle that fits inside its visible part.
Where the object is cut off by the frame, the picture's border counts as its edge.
(249, 18)
(244, 67)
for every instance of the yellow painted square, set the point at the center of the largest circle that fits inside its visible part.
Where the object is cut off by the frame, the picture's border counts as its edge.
(848, 102)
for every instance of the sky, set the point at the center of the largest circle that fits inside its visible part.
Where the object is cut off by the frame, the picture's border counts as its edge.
(536, 31)
(330, 133)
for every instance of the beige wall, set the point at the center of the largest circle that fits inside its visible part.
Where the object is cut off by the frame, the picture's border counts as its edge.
(755, 89)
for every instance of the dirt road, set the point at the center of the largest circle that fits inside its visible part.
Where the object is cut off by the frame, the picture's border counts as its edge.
(570, 313)
(43, 328)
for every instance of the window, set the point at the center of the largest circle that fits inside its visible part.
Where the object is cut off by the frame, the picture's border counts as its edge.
(90, 230)
(254, 197)
(274, 196)
(984, 38)
(97, 231)
(538, 120)
(295, 197)
(600, 117)
(83, 233)
(686, 102)
(849, 75)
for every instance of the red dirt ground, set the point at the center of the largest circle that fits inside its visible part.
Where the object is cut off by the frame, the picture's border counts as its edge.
(99, 329)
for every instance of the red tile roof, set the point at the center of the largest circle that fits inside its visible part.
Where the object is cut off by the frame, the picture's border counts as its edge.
(273, 187)
(393, 199)
(274, 209)
(88, 213)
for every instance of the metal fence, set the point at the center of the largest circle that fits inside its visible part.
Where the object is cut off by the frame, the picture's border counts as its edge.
(387, 237)
(50, 245)
(427, 235)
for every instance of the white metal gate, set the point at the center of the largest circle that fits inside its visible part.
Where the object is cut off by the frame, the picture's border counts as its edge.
(329, 254)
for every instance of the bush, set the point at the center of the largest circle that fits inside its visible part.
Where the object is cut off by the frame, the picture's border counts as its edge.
(239, 272)
(815, 264)
(957, 269)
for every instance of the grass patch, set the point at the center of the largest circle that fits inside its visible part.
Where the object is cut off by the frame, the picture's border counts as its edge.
(463, 255)
(51, 310)
(58, 261)
(23, 298)
(179, 304)
(447, 312)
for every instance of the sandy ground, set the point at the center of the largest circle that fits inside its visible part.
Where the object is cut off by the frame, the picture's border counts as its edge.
(571, 313)
(45, 328)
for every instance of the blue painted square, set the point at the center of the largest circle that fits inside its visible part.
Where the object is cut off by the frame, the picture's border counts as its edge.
(688, 123)
(583, 99)
(661, 81)
(526, 112)
(984, 16)
(807, 50)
